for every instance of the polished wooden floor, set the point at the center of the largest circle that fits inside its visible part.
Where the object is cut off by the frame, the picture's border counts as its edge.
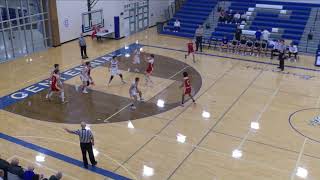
(234, 92)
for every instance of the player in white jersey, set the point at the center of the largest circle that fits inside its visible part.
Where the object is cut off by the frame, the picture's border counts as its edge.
(136, 60)
(114, 69)
(85, 78)
(134, 91)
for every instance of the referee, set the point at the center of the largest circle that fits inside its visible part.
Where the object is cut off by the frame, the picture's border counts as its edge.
(282, 51)
(86, 143)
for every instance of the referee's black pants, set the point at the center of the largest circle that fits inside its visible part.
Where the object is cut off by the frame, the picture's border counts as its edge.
(281, 61)
(83, 50)
(199, 43)
(87, 147)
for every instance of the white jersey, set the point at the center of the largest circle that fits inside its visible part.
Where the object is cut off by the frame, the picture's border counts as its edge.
(136, 57)
(114, 68)
(133, 89)
(84, 76)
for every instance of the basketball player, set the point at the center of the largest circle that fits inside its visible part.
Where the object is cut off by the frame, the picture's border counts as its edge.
(186, 88)
(85, 78)
(149, 69)
(55, 87)
(113, 68)
(134, 92)
(190, 46)
(55, 67)
(136, 60)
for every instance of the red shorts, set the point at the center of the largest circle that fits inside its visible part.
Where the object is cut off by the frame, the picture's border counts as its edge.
(190, 51)
(187, 91)
(54, 88)
(149, 70)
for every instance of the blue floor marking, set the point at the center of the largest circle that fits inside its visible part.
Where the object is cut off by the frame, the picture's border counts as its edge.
(61, 157)
(239, 59)
(21, 94)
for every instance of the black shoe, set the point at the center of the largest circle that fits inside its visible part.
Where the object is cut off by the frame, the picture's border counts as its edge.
(94, 164)
(86, 166)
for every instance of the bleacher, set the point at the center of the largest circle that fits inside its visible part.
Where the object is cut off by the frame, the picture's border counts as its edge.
(192, 14)
(291, 23)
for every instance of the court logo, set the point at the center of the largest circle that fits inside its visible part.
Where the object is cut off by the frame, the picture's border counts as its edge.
(315, 121)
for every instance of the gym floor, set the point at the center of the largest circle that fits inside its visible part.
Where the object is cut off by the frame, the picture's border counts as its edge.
(231, 91)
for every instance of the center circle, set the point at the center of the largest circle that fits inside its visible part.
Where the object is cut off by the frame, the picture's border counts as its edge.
(103, 106)
(301, 122)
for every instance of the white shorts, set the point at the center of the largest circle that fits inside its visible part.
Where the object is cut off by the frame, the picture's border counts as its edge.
(115, 72)
(84, 78)
(136, 60)
(133, 93)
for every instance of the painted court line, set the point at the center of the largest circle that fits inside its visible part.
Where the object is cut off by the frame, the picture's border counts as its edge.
(299, 158)
(107, 120)
(61, 157)
(233, 58)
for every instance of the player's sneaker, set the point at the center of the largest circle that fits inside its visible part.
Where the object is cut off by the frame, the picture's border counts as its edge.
(141, 99)
(132, 107)
(123, 82)
(85, 91)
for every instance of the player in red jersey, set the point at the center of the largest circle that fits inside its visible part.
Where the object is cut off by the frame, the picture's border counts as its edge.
(187, 88)
(55, 67)
(149, 69)
(55, 86)
(190, 46)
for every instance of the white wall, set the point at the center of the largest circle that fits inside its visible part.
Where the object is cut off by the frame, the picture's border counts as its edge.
(70, 11)
(157, 11)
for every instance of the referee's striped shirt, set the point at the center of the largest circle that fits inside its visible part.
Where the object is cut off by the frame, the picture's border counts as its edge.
(85, 135)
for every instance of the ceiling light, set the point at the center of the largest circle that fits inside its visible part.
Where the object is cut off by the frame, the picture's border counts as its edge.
(40, 158)
(181, 138)
(302, 172)
(237, 153)
(130, 125)
(255, 125)
(147, 171)
(205, 114)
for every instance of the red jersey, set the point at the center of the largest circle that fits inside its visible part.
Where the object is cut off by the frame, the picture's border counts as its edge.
(190, 48)
(150, 66)
(187, 85)
(54, 82)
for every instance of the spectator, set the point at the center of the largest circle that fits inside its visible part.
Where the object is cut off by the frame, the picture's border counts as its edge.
(83, 46)
(4, 165)
(244, 17)
(57, 176)
(29, 174)
(222, 17)
(236, 18)
(1, 174)
(275, 48)
(229, 16)
(238, 33)
(258, 35)
(15, 169)
(265, 35)
(176, 26)
(293, 49)
(199, 36)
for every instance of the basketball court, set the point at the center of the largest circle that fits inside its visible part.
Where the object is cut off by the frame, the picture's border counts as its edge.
(249, 121)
